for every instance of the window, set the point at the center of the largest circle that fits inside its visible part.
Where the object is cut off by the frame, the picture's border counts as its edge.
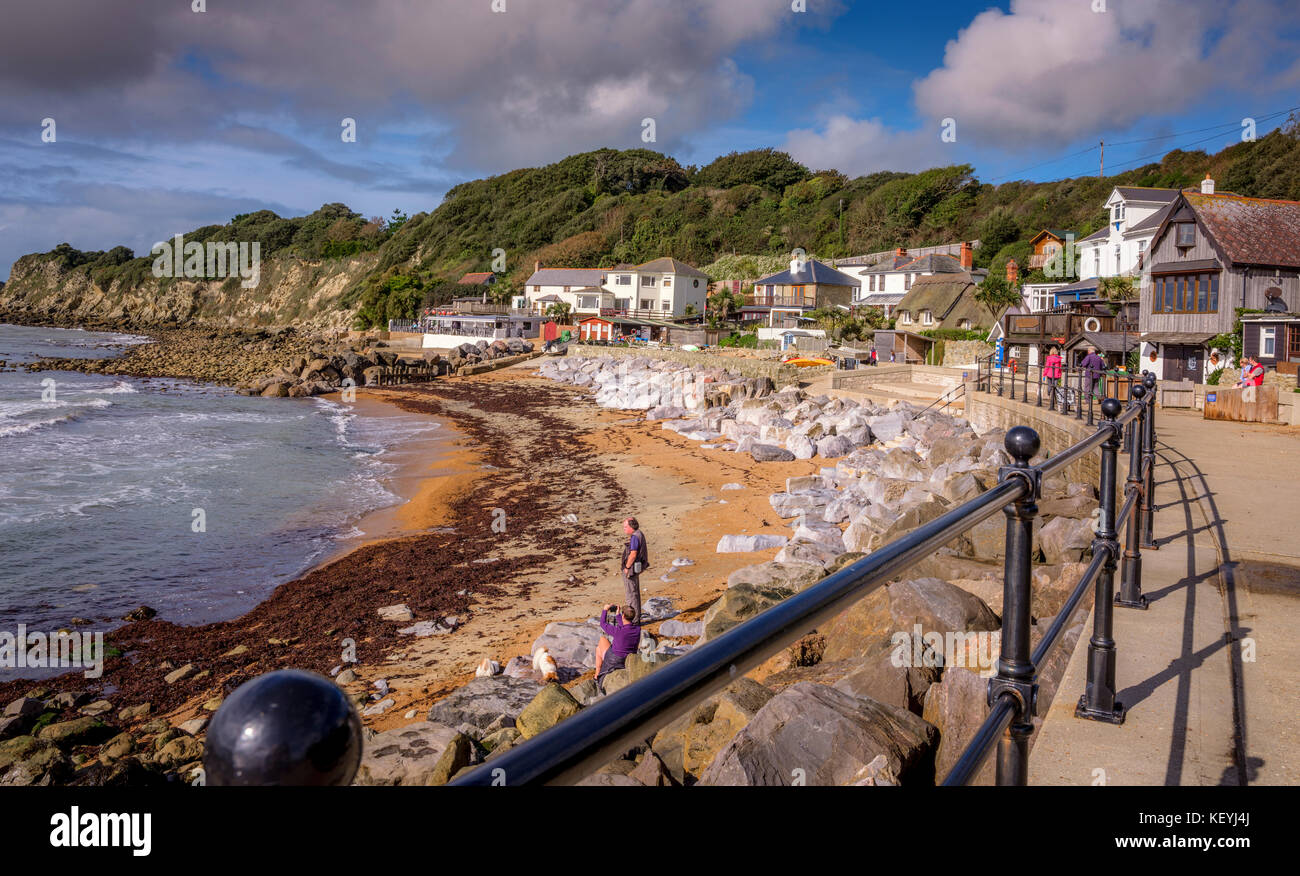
(648, 281)
(537, 288)
(647, 304)
(1119, 212)
(623, 280)
(905, 317)
(1118, 249)
(1186, 234)
(566, 288)
(927, 318)
(668, 281)
(907, 281)
(1268, 342)
(964, 325)
(667, 305)
(1185, 293)
(697, 284)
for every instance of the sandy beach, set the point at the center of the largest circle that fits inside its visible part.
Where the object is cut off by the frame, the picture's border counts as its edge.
(514, 448)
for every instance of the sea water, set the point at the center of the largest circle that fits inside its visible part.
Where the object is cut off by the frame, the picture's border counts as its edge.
(117, 492)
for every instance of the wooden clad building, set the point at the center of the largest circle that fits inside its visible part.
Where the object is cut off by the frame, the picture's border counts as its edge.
(1214, 253)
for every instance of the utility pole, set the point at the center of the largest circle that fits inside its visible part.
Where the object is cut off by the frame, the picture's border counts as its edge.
(1101, 171)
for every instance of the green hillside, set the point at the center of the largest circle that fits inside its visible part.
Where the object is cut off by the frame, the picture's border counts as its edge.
(606, 207)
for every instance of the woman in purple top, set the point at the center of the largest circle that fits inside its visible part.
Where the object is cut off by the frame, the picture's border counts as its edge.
(624, 637)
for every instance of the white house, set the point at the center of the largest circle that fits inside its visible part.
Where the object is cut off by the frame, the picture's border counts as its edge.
(885, 283)
(1117, 249)
(662, 287)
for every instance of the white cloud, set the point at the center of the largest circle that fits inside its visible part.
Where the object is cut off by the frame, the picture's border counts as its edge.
(1053, 70)
(861, 146)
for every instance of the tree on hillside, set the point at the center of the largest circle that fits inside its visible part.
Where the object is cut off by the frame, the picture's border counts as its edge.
(395, 222)
(769, 168)
(559, 311)
(996, 293)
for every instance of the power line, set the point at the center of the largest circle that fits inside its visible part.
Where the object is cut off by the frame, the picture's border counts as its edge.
(1222, 128)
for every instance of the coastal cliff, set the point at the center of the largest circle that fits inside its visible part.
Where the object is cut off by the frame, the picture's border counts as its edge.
(45, 290)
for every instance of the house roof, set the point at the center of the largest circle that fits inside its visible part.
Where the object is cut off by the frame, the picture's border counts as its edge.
(891, 262)
(550, 298)
(1152, 222)
(1186, 266)
(566, 277)
(813, 272)
(1050, 232)
(879, 298)
(477, 278)
(1100, 234)
(1147, 193)
(1078, 286)
(1251, 231)
(1107, 342)
(1176, 337)
(950, 298)
(590, 290)
(671, 266)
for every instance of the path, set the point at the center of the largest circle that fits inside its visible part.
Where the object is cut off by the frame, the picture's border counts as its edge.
(1208, 671)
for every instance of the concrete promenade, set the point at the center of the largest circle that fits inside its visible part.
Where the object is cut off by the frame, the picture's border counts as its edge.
(1209, 673)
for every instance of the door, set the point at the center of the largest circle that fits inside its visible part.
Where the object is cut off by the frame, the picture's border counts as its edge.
(1293, 345)
(1184, 362)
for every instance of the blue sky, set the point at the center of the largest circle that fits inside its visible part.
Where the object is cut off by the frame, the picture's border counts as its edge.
(167, 118)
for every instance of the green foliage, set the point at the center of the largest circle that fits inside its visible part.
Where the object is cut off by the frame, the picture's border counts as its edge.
(957, 334)
(996, 293)
(766, 168)
(1215, 376)
(747, 341)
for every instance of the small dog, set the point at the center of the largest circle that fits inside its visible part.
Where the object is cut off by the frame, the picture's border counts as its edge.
(544, 663)
(487, 669)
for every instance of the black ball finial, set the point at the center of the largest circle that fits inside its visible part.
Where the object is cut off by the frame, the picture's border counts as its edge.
(1022, 443)
(1149, 381)
(287, 727)
(1138, 391)
(1110, 408)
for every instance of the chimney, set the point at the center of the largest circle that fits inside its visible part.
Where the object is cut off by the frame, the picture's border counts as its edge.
(900, 252)
(537, 266)
(1013, 272)
(967, 257)
(1207, 185)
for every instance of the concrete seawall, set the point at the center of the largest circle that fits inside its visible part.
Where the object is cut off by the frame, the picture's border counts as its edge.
(990, 411)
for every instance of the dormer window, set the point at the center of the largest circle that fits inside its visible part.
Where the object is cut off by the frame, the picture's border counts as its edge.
(927, 318)
(1118, 212)
(1185, 234)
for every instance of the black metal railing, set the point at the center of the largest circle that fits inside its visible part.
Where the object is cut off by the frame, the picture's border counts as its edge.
(601, 732)
(947, 398)
(1070, 390)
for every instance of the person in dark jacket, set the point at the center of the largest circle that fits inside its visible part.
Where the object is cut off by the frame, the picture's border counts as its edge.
(1093, 365)
(622, 638)
(635, 561)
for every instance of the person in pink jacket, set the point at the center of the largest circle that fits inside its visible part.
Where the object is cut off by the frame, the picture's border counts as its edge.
(1052, 368)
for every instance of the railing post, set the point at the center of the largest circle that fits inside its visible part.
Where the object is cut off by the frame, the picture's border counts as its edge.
(1024, 389)
(1040, 384)
(1130, 588)
(1001, 373)
(1149, 491)
(1090, 418)
(1078, 401)
(1098, 701)
(1015, 665)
